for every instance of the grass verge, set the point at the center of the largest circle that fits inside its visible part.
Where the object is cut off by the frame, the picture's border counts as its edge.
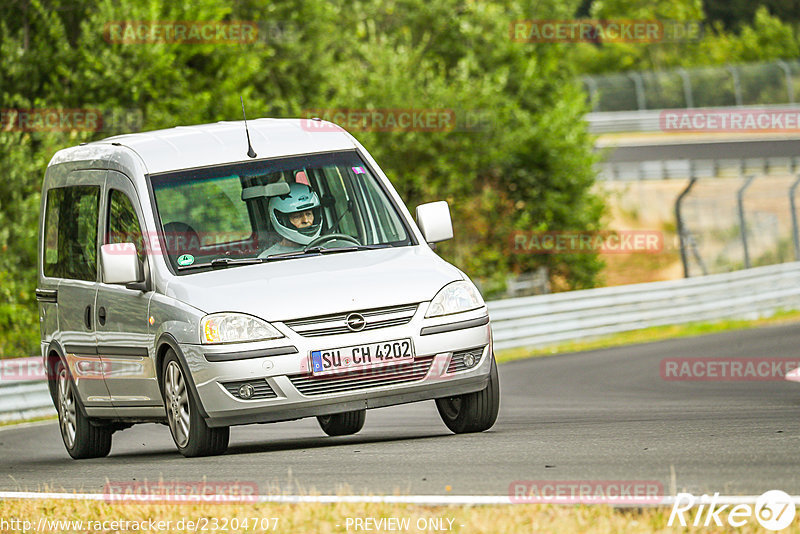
(333, 518)
(646, 335)
(34, 420)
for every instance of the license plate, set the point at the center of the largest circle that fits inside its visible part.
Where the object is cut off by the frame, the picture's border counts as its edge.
(367, 356)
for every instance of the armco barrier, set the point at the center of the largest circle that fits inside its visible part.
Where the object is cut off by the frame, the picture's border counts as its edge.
(22, 397)
(547, 319)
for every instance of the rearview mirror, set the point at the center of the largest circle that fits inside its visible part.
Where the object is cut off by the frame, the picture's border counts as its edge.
(434, 221)
(120, 264)
(276, 189)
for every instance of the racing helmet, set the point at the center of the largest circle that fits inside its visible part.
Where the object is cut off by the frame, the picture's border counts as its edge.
(300, 198)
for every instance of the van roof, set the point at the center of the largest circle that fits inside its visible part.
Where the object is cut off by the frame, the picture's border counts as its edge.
(203, 145)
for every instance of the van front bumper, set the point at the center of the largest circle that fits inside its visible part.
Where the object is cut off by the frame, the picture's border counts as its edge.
(295, 394)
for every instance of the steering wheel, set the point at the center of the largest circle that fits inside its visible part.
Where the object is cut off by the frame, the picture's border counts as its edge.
(331, 237)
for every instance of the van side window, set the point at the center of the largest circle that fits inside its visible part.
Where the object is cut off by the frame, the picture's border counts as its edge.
(123, 224)
(70, 247)
(387, 224)
(342, 199)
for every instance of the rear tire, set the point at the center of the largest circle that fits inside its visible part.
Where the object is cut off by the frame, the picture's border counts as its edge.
(81, 438)
(191, 434)
(342, 424)
(472, 412)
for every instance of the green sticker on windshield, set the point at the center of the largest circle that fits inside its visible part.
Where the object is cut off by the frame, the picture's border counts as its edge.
(185, 259)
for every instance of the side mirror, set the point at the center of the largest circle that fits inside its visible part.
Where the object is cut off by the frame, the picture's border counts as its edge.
(434, 221)
(121, 264)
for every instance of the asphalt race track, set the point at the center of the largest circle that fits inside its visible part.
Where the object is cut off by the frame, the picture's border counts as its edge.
(599, 415)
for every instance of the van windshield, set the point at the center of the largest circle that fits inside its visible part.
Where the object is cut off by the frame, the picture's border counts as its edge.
(275, 209)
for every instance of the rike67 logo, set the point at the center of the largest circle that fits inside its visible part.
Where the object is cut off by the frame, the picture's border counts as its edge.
(774, 510)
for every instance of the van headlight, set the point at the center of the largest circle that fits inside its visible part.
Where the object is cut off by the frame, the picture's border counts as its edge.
(455, 297)
(235, 328)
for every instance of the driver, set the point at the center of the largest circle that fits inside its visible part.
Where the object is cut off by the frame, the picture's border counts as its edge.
(297, 217)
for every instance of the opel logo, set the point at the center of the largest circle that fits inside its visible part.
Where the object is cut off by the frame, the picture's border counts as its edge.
(355, 322)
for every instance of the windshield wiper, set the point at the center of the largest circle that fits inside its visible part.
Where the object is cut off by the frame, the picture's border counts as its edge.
(373, 247)
(283, 255)
(222, 263)
(320, 250)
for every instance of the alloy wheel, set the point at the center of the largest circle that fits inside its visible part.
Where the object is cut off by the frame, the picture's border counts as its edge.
(66, 409)
(177, 398)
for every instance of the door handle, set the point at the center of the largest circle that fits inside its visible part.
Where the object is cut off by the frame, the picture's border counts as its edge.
(101, 315)
(47, 295)
(87, 316)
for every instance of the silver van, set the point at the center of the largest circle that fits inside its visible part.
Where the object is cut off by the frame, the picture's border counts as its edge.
(190, 278)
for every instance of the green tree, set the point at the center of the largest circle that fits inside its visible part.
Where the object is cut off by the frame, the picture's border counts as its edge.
(527, 165)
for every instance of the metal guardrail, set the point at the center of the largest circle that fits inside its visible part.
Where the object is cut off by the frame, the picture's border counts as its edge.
(548, 319)
(23, 390)
(687, 154)
(649, 120)
(684, 169)
(601, 122)
(776, 82)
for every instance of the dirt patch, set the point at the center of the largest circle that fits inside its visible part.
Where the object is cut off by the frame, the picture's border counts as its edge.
(647, 206)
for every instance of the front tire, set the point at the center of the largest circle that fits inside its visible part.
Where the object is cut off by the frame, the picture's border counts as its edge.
(81, 438)
(472, 412)
(342, 424)
(191, 434)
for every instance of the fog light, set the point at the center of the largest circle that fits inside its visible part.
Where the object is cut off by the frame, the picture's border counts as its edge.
(246, 391)
(469, 359)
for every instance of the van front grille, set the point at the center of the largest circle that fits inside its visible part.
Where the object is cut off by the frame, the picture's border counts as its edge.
(310, 385)
(326, 325)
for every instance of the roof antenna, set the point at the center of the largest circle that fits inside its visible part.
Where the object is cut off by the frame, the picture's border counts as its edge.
(250, 152)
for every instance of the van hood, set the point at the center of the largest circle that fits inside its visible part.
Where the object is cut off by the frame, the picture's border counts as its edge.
(318, 285)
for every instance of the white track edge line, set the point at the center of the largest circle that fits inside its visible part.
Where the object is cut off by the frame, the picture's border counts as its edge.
(382, 499)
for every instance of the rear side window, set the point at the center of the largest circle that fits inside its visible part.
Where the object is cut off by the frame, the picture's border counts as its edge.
(70, 233)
